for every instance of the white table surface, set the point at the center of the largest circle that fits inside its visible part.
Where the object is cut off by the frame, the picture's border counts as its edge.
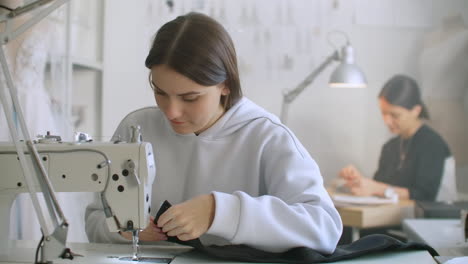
(437, 233)
(444, 235)
(23, 252)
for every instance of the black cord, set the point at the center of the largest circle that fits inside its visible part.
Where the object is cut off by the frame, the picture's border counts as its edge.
(6, 7)
(36, 260)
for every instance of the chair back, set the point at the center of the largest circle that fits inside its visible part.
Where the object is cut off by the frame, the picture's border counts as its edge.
(448, 184)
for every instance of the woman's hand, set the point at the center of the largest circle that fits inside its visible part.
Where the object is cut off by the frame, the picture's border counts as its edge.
(367, 187)
(151, 233)
(190, 219)
(351, 175)
(360, 185)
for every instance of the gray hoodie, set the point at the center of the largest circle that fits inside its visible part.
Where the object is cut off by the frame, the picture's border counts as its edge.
(268, 191)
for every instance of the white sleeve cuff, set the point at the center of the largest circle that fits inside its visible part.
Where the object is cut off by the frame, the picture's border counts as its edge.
(226, 217)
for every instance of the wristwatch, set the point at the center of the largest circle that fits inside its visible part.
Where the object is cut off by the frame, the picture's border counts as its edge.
(390, 192)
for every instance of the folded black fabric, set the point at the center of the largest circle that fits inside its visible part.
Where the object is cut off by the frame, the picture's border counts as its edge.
(196, 243)
(375, 243)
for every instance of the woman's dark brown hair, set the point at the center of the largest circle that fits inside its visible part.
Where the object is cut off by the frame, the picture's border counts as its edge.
(199, 48)
(403, 91)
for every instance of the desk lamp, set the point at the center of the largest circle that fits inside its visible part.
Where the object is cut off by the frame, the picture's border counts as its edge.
(346, 75)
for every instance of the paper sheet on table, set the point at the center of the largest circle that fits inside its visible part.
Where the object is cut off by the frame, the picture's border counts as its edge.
(340, 199)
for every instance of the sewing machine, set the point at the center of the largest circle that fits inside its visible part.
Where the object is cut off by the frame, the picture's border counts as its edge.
(122, 172)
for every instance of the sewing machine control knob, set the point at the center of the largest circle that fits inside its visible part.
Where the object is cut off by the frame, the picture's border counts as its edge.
(48, 138)
(136, 134)
(130, 167)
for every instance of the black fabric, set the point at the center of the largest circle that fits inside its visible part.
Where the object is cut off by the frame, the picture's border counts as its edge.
(421, 170)
(301, 255)
(347, 235)
(196, 243)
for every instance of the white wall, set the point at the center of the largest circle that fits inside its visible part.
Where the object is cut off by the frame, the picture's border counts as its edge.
(125, 85)
(279, 42)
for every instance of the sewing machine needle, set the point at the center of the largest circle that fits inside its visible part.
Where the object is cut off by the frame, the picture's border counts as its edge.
(136, 249)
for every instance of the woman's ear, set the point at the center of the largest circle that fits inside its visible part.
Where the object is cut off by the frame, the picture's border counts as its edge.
(224, 89)
(416, 110)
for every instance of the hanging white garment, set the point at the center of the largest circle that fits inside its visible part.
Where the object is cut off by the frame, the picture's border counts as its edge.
(28, 74)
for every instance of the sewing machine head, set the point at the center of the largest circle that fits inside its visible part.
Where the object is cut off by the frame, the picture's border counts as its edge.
(123, 174)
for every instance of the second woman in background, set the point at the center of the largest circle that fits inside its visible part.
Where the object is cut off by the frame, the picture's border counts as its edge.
(412, 163)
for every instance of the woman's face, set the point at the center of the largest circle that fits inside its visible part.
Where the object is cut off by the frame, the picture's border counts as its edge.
(397, 118)
(189, 106)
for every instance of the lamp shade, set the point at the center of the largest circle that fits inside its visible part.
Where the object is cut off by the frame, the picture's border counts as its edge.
(347, 74)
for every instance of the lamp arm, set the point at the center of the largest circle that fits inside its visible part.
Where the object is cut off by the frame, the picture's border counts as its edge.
(9, 33)
(55, 238)
(26, 8)
(290, 95)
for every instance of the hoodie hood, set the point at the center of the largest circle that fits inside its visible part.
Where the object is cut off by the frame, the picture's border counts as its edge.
(239, 115)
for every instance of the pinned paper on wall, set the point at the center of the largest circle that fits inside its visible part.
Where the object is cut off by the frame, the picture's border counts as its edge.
(399, 13)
